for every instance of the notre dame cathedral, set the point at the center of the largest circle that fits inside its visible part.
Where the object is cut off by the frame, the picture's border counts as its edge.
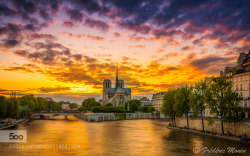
(117, 96)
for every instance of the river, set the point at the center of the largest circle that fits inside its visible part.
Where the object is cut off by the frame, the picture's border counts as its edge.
(125, 137)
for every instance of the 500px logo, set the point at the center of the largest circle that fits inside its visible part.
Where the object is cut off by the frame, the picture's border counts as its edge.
(13, 136)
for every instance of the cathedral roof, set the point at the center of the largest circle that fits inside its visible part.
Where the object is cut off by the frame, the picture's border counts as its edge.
(118, 90)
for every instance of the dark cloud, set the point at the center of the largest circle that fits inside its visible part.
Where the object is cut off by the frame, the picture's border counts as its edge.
(96, 24)
(186, 48)
(69, 23)
(10, 43)
(41, 36)
(91, 6)
(53, 89)
(75, 14)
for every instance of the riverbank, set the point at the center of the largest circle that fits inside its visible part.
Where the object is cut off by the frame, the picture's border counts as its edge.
(13, 124)
(232, 138)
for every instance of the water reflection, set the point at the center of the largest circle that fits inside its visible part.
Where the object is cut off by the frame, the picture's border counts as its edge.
(127, 137)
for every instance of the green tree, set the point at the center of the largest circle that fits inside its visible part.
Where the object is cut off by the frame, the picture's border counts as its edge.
(168, 103)
(73, 106)
(233, 109)
(30, 101)
(143, 109)
(24, 111)
(42, 104)
(182, 101)
(197, 99)
(96, 109)
(133, 105)
(3, 107)
(109, 104)
(12, 107)
(217, 95)
(81, 109)
(151, 109)
(90, 102)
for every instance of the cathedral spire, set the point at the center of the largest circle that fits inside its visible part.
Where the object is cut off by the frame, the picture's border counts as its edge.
(116, 80)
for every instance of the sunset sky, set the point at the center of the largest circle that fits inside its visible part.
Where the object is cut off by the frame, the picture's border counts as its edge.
(65, 49)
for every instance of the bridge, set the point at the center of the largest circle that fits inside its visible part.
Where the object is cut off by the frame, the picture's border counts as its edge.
(52, 115)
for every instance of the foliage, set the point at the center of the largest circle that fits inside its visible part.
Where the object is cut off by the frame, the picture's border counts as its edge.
(90, 102)
(220, 97)
(133, 105)
(151, 109)
(181, 97)
(42, 104)
(109, 104)
(30, 101)
(119, 116)
(25, 105)
(197, 99)
(96, 109)
(24, 111)
(107, 109)
(81, 109)
(233, 109)
(167, 108)
(143, 109)
(73, 106)
(3, 107)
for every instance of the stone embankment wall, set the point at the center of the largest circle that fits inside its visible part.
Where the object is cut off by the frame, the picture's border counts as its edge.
(196, 123)
(116, 116)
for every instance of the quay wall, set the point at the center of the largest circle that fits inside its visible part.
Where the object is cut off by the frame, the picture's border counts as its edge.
(196, 123)
(116, 116)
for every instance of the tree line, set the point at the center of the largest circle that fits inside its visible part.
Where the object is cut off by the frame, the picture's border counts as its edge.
(23, 106)
(218, 96)
(90, 104)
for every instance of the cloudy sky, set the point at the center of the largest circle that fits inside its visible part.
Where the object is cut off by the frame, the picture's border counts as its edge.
(65, 48)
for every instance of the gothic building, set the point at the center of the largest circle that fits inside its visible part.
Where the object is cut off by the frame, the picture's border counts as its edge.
(117, 96)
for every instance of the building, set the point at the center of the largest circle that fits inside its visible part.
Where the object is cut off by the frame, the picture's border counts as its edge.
(118, 95)
(240, 76)
(145, 101)
(157, 100)
(65, 105)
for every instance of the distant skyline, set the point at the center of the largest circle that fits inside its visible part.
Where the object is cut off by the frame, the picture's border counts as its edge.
(65, 49)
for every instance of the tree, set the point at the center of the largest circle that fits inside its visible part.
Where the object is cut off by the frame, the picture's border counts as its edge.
(197, 99)
(168, 103)
(182, 101)
(81, 109)
(233, 108)
(30, 101)
(3, 107)
(42, 104)
(96, 109)
(90, 102)
(133, 105)
(12, 108)
(151, 109)
(73, 106)
(143, 108)
(109, 104)
(216, 95)
(24, 111)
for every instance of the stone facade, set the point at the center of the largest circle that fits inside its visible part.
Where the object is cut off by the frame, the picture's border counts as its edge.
(157, 100)
(118, 95)
(240, 76)
(196, 123)
(145, 101)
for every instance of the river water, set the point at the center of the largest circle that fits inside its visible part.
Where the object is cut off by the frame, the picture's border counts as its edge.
(125, 137)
